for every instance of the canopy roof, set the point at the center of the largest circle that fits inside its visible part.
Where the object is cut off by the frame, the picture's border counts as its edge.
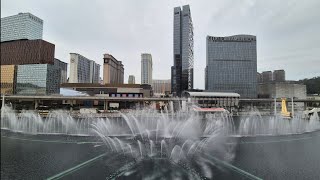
(213, 94)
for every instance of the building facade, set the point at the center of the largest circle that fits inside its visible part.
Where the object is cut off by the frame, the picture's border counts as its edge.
(83, 70)
(8, 79)
(182, 69)
(259, 77)
(38, 79)
(131, 79)
(113, 70)
(279, 75)
(27, 52)
(94, 72)
(231, 65)
(267, 76)
(161, 87)
(21, 26)
(63, 69)
(146, 69)
(282, 90)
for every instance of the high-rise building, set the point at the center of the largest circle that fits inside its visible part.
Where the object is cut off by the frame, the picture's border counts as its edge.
(182, 69)
(83, 70)
(21, 26)
(38, 79)
(279, 75)
(27, 52)
(112, 70)
(131, 79)
(231, 65)
(8, 79)
(63, 69)
(146, 69)
(267, 76)
(161, 86)
(94, 72)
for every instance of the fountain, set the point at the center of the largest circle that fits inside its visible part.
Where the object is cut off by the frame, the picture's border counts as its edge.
(181, 139)
(256, 125)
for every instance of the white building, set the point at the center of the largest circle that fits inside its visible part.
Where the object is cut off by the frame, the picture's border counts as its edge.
(21, 26)
(146, 69)
(83, 70)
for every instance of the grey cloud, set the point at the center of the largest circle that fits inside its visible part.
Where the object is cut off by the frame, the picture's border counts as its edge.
(287, 31)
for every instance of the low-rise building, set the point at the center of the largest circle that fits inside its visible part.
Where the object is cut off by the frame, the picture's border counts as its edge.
(282, 90)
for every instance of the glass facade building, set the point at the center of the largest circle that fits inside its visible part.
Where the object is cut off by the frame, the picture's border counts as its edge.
(38, 79)
(146, 69)
(231, 65)
(182, 69)
(161, 87)
(63, 68)
(21, 26)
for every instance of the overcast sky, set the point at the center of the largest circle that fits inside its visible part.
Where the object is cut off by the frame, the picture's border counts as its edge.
(287, 31)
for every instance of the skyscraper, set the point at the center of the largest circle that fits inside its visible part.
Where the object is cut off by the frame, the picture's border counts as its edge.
(131, 79)
(182, 69)
(146, 69)
(231, 65)
(83, 70)
(112, 70)
(21, 26)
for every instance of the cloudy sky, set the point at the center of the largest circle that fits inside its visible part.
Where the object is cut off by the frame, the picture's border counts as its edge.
(287, 31)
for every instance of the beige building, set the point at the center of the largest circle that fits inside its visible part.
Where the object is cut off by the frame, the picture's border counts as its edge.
(160, 87)
(8, 79)
(112, 70)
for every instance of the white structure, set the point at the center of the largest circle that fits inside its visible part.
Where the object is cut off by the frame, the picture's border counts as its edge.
(83, 70)
(146, 69)
(21, 26)
(225, 100)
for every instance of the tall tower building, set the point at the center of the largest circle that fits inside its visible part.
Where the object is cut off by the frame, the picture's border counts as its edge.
(146, 69)
(83, 70)
(131, 79)
(182, 69)
(231, 65)
(21, 26)
(112, 70)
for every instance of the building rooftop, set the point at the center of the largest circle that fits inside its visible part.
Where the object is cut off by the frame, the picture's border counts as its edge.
(98, 85)
(213, 94)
